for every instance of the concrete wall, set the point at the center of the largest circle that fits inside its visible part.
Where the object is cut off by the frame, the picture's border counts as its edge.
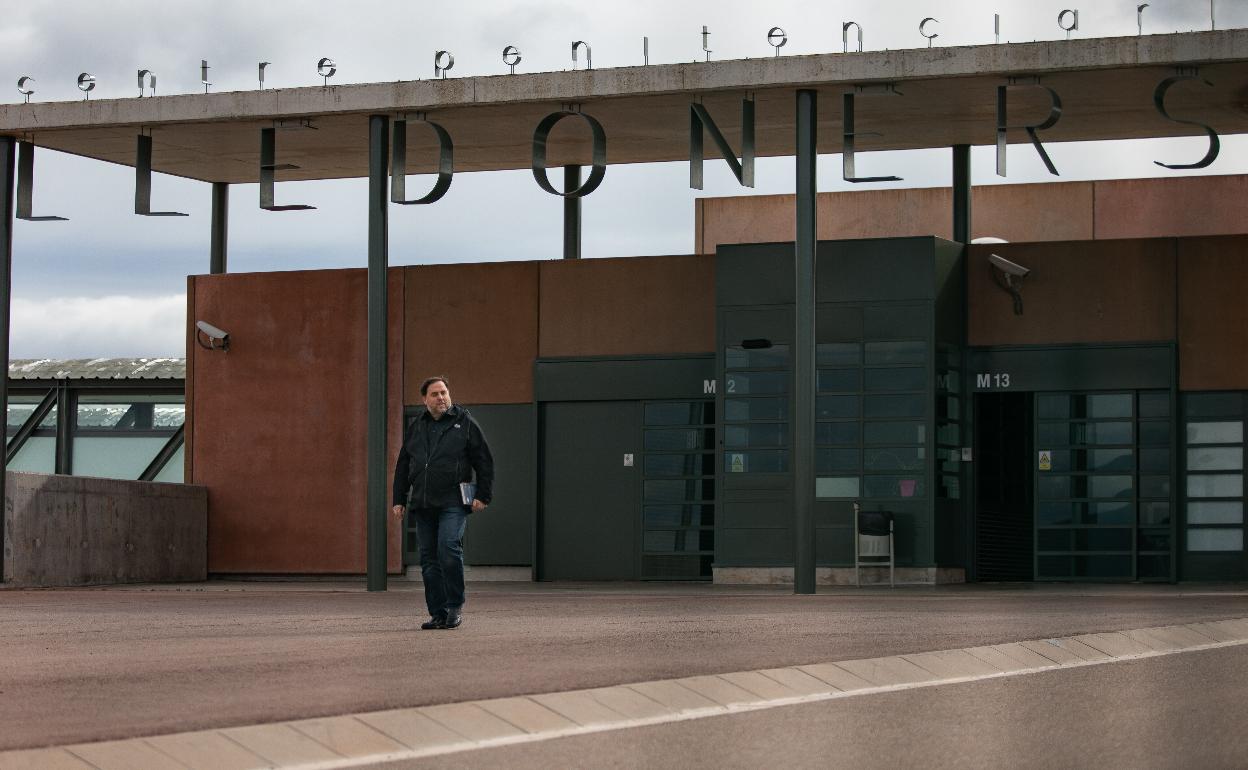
(1060, 211)
(77, 530)
(279, 420)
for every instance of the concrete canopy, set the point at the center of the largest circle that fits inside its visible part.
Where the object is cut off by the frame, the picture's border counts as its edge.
(948, 97)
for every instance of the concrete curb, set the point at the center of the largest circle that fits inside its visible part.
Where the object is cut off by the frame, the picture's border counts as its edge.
(353, 740)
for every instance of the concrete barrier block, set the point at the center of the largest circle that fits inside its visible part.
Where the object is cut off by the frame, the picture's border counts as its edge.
(77, 530)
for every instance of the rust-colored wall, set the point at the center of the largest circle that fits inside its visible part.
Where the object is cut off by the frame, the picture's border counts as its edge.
(1038, 212)
(604, 307)
(1061, 211)
(280, 419)
(1183, 206)
(477, 325)
(1091, 291)
(1213, 313)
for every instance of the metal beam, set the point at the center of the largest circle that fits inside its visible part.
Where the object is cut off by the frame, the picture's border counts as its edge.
(66, 414)
(219, 249)
(28, 427)
(166, 453)
(571, 213)
(962, 193)
(8, 158)
(377, 501)
(804, 348)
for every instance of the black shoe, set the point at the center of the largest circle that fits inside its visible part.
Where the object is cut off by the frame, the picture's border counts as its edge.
(437, 621)
(452, 620)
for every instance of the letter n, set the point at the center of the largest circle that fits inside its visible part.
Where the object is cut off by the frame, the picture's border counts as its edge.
(699, 120)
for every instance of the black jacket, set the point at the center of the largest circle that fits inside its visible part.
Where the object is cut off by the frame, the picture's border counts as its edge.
(439, 454)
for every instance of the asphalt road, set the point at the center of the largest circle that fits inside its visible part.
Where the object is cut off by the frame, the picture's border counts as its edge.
(1176, 711)
(98, 664)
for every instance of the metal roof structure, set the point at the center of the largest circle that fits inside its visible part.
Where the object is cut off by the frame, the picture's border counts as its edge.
(98, 369)
(948, 97)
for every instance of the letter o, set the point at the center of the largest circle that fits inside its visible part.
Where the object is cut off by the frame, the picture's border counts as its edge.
(599, 163)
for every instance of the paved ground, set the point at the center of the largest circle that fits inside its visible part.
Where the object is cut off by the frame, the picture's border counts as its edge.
(97, 664)
(1176, 711)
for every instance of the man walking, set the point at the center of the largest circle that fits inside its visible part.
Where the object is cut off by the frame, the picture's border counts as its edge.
(441, 451)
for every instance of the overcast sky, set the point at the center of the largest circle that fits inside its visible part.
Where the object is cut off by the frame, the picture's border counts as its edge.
(109, 283)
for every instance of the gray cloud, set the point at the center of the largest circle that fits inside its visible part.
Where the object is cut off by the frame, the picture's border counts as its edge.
(106, 251)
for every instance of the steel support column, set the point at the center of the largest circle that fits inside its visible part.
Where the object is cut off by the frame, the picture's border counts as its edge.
(8, 166)
(220, 227)
(804, 349)
(962, 193)
(962, 234)
(571, 213)
(66, 418)
(377, 501)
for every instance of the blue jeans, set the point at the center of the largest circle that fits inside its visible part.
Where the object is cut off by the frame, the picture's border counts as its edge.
(441, 535)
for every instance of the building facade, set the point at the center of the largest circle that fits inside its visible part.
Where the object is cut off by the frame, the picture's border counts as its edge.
(1084, 424)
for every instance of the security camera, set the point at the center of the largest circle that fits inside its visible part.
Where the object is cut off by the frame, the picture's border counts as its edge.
(1009, 276)
(1008, 267)
(217, 339)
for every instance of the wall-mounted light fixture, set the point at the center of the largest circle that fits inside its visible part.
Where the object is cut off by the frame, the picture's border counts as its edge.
(210, 337)
(1009, 276)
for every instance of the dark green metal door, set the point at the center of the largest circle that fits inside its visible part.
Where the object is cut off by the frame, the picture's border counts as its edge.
(1103, 469)
(591, 480)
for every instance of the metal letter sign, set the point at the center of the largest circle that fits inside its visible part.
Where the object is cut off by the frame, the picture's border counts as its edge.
(203, 73)
(923, 31)
(268, 154)
(143, 181)
(511, 57)
(1055, 114)
(26, 185)
(700, 119)
(1074, 24)
(589, 54)
(22, 87)
(443, 61)
(847, 156)
(398, 163)
(1159, 99)
(845, 36)
(777, 38)
(263, 64)
(599, 163)
(147, 78)
(326, 68)
(86, 82)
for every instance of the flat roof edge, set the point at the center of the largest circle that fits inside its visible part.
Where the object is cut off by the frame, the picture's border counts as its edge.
(813, 70)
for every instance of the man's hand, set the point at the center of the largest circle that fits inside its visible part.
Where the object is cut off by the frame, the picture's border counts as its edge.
(477, 506)
(397, 511)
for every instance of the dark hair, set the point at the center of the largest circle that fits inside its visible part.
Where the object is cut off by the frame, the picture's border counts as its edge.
(424, 386)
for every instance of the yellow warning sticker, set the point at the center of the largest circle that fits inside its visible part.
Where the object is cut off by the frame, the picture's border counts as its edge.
(1046, 460)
